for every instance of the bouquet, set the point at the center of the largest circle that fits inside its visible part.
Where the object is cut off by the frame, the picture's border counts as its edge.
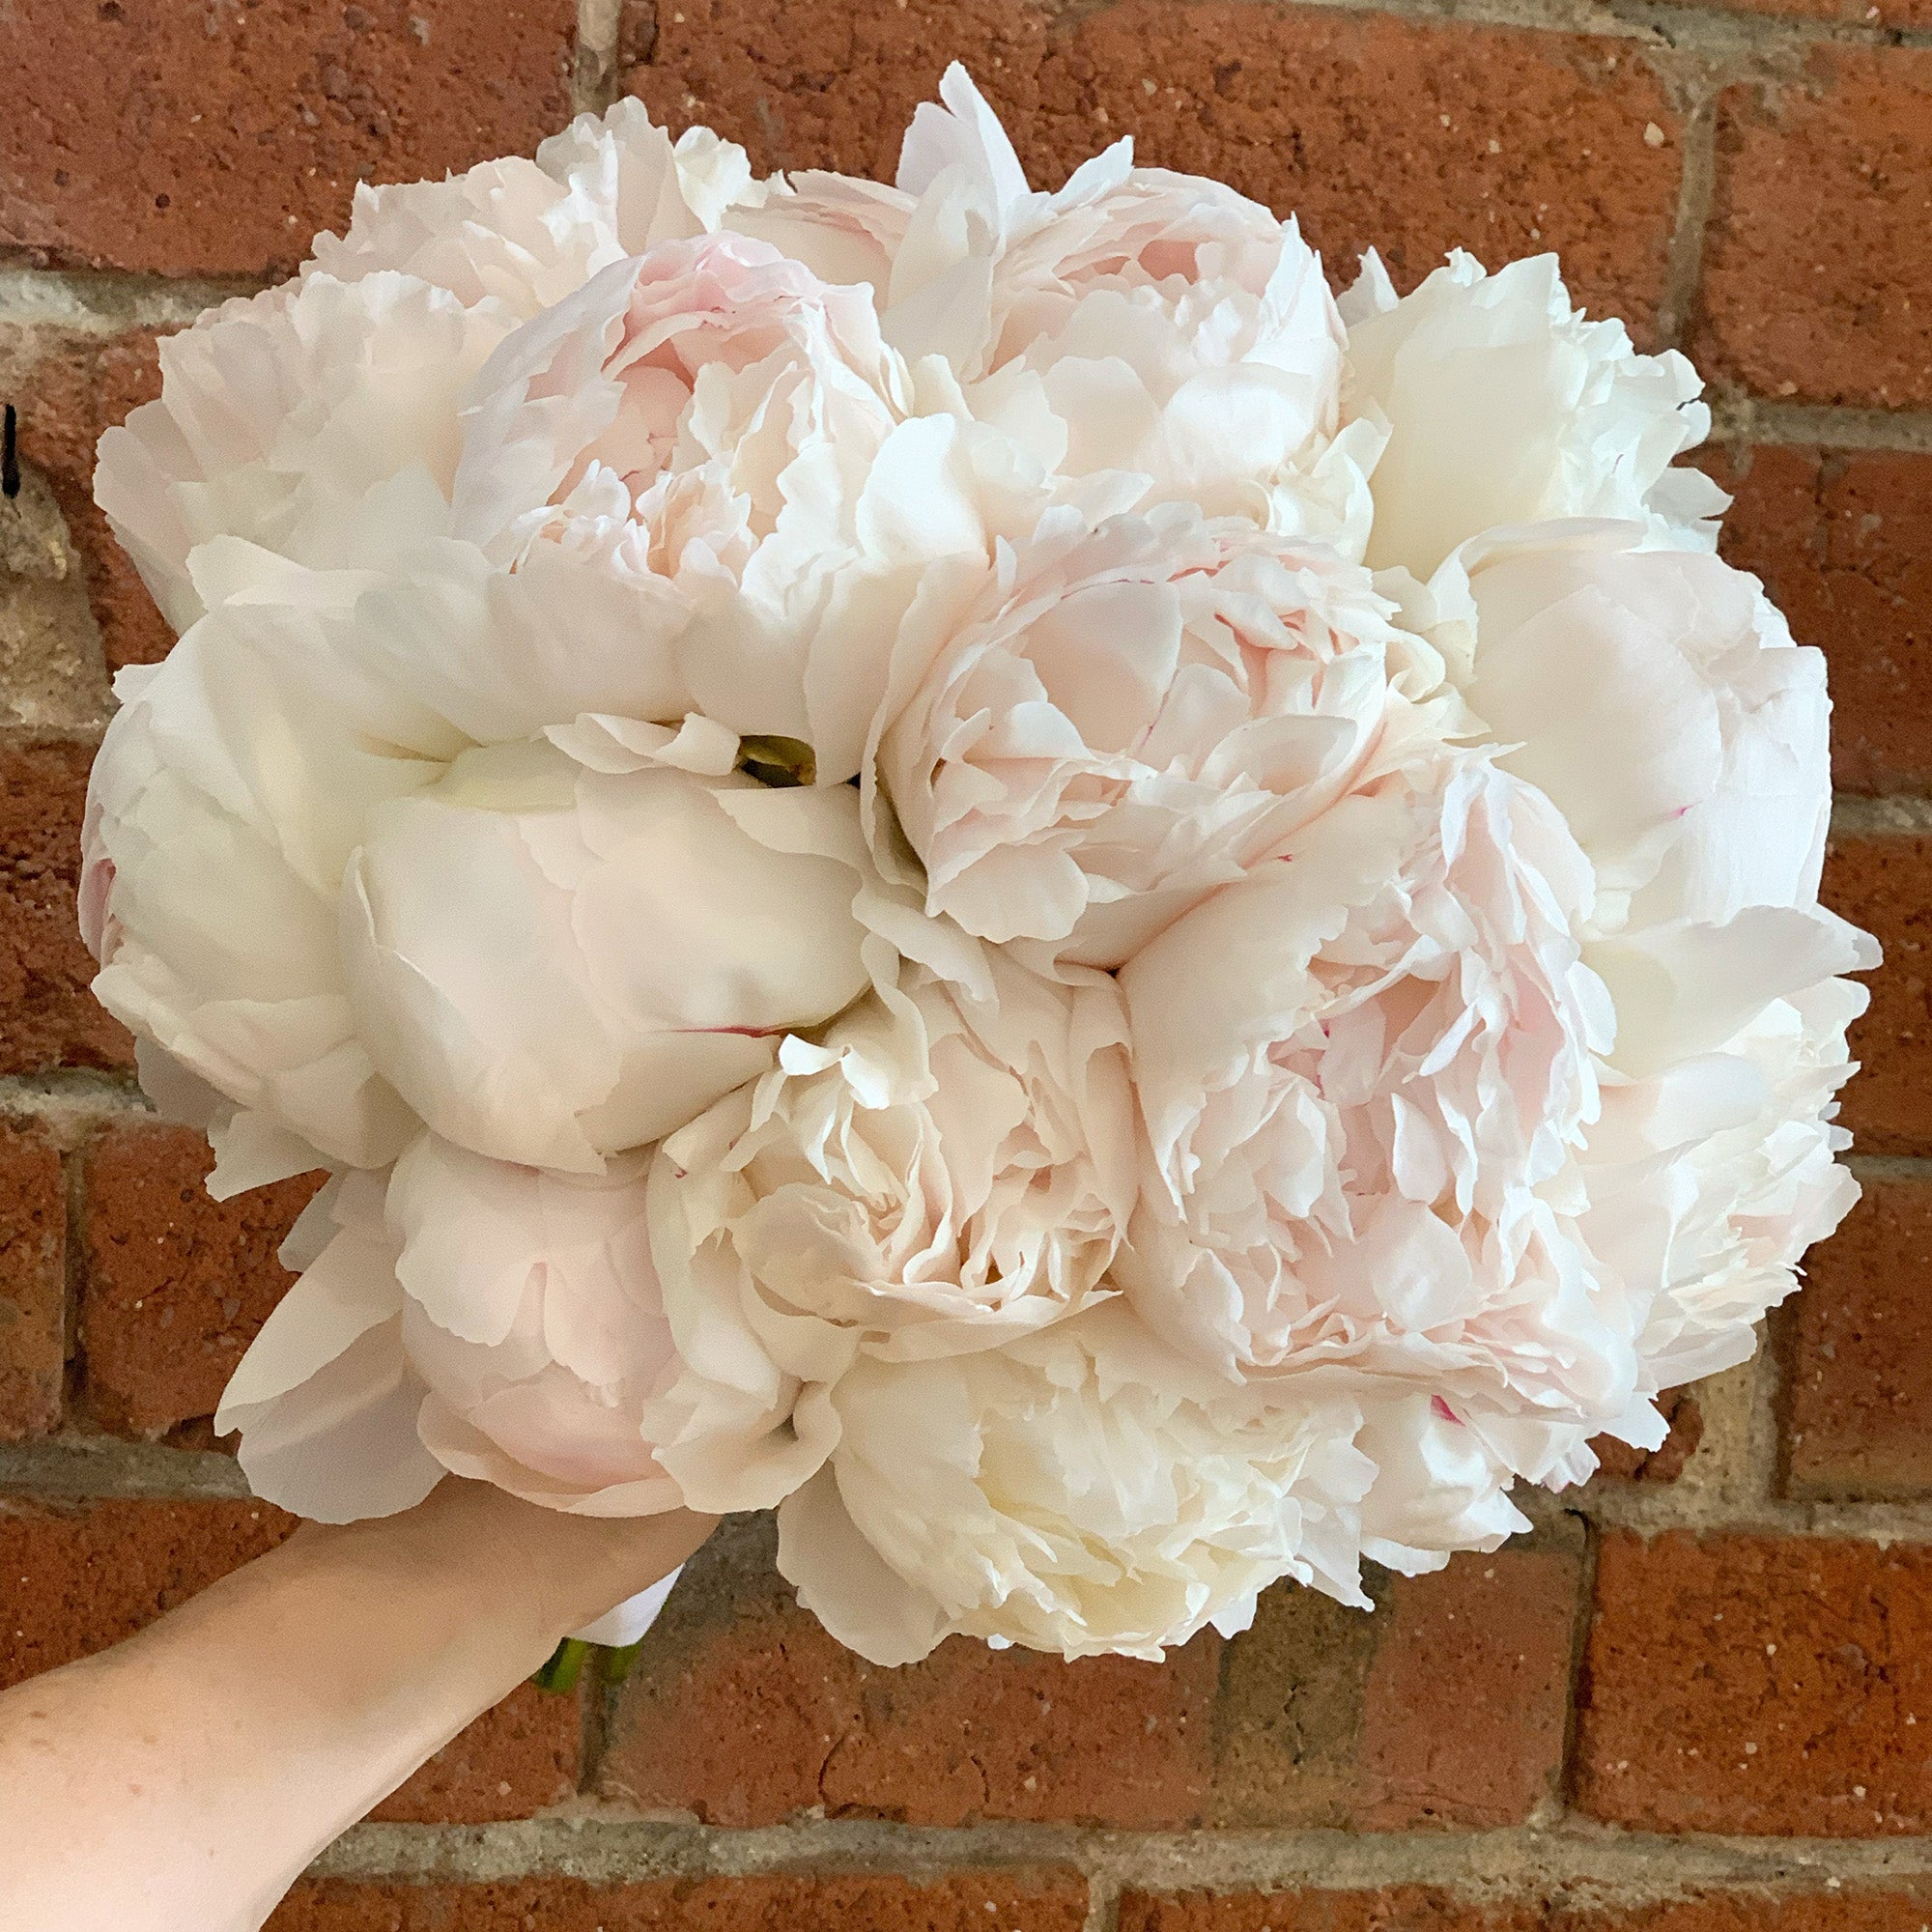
(966, 863)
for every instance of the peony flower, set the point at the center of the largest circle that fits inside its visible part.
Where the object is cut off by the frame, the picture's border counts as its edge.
(949, 1169)
(1656, 698)
(1501, 405)
(1139, 321)
(460, 1315)
(1079, 1491)
(1364, 1073)
(308, 418)
(1123, 720)
(549, 963)
(525, 233)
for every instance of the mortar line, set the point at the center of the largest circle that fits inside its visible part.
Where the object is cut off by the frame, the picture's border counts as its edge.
(1890, 1166)
(1618, 1867)
(1569, 1765)
(73, 1274)
(1765, 42)
(1103, 1903)
(74, 1468)
(594, 75)
(1855, 816)
(103, 302)
(1759, 419)
(1684, 266)
(72, 1102)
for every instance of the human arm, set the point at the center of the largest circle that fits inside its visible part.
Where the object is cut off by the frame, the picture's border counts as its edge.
(180, 1782)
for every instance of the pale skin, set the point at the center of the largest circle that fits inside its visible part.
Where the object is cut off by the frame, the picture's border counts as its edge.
(180, 1782)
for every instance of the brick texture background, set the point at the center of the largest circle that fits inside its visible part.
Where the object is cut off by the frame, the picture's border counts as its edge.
(1699, 1697)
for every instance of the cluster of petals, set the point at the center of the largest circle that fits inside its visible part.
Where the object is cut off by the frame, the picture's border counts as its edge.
(963, 862)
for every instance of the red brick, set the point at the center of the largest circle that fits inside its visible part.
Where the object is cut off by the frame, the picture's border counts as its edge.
(1620, 1462)
(1490, 1638)
(1415, 1909)
(991, 1901)
(1904, 13)
(1506, 142)
(512, 1762)
(1817, 283)
(33, 1283)
(1883, 883)
(48, 1017)
(176, 1285)
(1406, 1908)
(188, 141)
(1844, 541)
(68, 389)
(744, 1711)
(81, 1577)
(1841, 1911)
(1858, 1348)
(1746, 1684)
(1329, 1717)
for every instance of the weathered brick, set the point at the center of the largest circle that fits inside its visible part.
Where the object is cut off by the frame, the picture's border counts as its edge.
(1490, 1637)
(68, 387)
(1844, 541)
(176, 1285)
(1883, 883)
(198, 142)
(33, 1283)
(1752, 1684)
(81, 1576)
(48, 1018)
(1502, 141)
(1901, 14)
(1620, 1462)
(1331, 1716)
(969, 1901)
(1406, 1908)
(513, 1761)
(1417, 1909)
(1846, 1909)
(1817, 284)
(1858, 1353)
(744, 1711)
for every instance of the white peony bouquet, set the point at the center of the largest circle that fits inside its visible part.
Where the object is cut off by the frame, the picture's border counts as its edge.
(966, 863)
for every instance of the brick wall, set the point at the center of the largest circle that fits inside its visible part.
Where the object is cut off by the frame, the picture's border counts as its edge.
(1699, 1697)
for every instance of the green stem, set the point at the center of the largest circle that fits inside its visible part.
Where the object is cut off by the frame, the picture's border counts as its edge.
(564, 1668)
(617, 1661)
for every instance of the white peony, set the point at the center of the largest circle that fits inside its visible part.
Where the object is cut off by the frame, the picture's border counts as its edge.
(306, 417)
(1120, 720)
(1657, 697)
(459, 1313)
(551, 965)
(1079, 1491)
(1365, 1073)
(342, 938)
(1152, 325)
(1501, 405)
(949, 1169)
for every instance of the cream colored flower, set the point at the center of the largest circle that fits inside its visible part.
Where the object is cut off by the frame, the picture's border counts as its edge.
(1120, 720)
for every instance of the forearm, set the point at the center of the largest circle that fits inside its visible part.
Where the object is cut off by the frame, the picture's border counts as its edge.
(184, 1778)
